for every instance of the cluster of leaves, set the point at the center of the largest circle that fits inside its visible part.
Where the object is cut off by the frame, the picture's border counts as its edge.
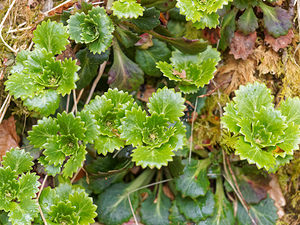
(67, 204)
(38, 78)
(191, 71)
(64, 140)
(18, 187)
(266, 136)
(122, 122)
(240, 23)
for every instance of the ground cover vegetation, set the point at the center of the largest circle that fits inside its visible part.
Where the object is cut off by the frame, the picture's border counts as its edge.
(149, 112)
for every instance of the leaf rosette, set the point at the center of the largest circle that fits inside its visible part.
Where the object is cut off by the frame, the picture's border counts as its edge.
(195, 10)
(18, 187)
(94, 29)
(264, 133)
(67, 204)
(38, 78)
(158, 136)
(108, 111)
(191, 71)
(61, 138)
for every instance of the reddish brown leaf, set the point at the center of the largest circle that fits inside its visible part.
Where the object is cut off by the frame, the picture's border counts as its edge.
(145, 42)
(8, 136)
(241, 46)
(167, 191)
(212, 35)
(281, 42)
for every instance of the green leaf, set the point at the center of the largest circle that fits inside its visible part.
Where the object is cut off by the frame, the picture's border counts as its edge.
(90, 125)
(24, 212)
(254, 154)
(113, 205)
(9, 188)
(132, 126)
(197, 209)
(52, 36)
(68, 124)
(175, 216)
(194, 10)
(94, 29)
(194, 181)
(227, 29)
(46, 128)
(229, 119)
(124, 73)
(290, 108)
(54, 155)
(70, 76)
(156, 157)
(74, 162)
(291, 139)
(45, 102)
(243, 4)
(28, 186)
(277, 20)
(127, 9)
(167, 102)
(20, 85)
(155, 211)
(126, 37)
(89, 65)
(207, 20)
(149, 20)
(104, 144)
(18, 160)
(148, 58)
(247, 22)
(252, 97)
(264, 213)
(191, 70)
(223, 214)
(84, 207)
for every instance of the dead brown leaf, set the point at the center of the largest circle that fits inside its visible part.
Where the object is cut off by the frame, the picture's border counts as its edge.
(235, 73)
(145, 42)
(167, 191)
(8, 136)
(146, 93)
(268, 61)
(241, 46)
(281, 42)
(277, 195)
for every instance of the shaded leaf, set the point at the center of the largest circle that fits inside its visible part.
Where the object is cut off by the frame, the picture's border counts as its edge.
(149, 20)
(247, 22)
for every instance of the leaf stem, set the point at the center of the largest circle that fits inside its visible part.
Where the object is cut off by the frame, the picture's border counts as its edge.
(192, 131)
(101, 70)
(75, 101)
(42, 187)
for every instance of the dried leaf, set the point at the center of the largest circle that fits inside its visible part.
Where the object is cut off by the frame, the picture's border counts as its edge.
(268, 61)
(277, 195)
(145, 42)
(145, 94)
(167, 191)
(280, 42)
(8, 136)
(235, 73)
(241, 46)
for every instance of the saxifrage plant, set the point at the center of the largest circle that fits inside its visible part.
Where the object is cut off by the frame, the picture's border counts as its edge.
(265, 134)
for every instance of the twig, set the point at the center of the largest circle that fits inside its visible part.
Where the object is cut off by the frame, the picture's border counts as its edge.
(77, 100)
(4, 107)
(42, 215)
(68, 103)
(18, 30)
(1, 27)
(192, 131)
(132, 211)
(212, 91)
(101, 70)
(56, 7)
(42, 187)
(76, 174)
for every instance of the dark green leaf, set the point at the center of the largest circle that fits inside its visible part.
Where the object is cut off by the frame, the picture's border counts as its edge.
(247, 22)
(227, 29)
(89, 64)
(149, 20)
(148, 58)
